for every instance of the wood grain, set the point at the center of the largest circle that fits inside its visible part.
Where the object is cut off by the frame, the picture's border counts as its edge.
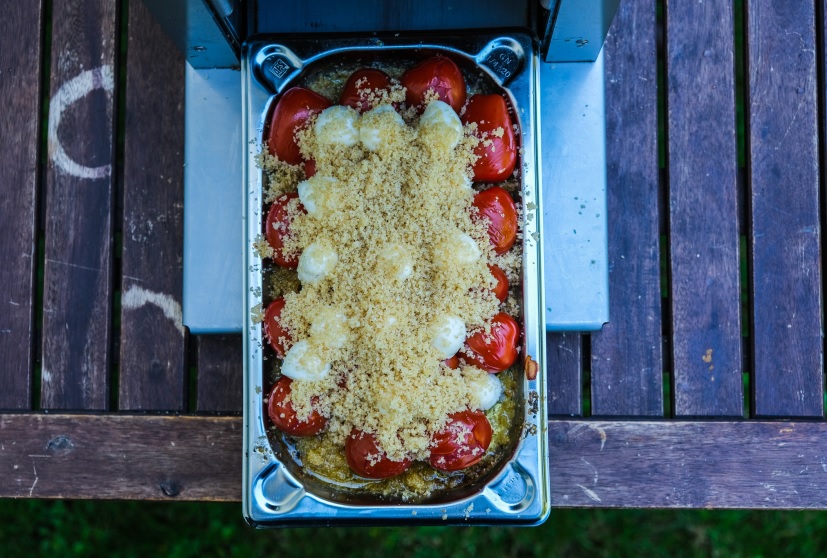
(20, 59)
(77, 298)
(623, 464)
(153, 339)
(785, 269)
(220, 381)
(564, 357)
(673, 464)
(703, 203)
(627, 360)
(120, 456)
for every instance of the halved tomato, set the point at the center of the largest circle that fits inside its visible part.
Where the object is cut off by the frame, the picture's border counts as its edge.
(290, 115)
(495, 352)
(501, 290)
(497, 151)
(284, 417)
(273, 330)
(309, 168)
(452, 363)
(368, 460)
(498, 207)
(437, 73)
(462, 442)
(278, 230)
(360, 85)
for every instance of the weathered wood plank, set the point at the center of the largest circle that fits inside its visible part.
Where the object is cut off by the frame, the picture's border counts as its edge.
(703, 203)
(627, 365)
(624, 464)
(672, 464)
(564, 362)
(785, 273)
(20, 59)
(153, 339)
(77, 294)
(120, 456)
(220, 381)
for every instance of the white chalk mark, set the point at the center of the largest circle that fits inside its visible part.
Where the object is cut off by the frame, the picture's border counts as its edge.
(76, 266)
(596, 476)
(137, 297)
(69, 93)
(31, 490)
(590, 493)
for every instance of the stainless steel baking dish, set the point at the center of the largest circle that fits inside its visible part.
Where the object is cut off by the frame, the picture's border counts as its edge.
(276, 491)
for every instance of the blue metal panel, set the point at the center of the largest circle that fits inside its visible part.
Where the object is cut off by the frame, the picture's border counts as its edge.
(213, 195)
(573, 128)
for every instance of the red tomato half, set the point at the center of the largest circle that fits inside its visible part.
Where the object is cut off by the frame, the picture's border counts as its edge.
(497, 351)
(278, 230)
(309, 168)
(462, 442)
(501, 290)
(360, 85)
(497, 206)
(284, 417)
(497, 155)
(273, 331)
(291, 113)
(437, 73)
(452, 363)
(368, 460)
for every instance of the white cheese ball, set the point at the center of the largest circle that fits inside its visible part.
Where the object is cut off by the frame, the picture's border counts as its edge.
(458, 248)
(337, 125)
(330, 328)
(302, 362)
(316, 262)
(488, 389)
(440, 126)
(378, 126)
(396, 261)
(448, 335)
(318, 195)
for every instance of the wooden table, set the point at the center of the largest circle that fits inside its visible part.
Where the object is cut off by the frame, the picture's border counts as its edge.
(705, 390)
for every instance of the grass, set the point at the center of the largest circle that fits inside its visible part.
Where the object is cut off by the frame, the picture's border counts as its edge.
(133, 529)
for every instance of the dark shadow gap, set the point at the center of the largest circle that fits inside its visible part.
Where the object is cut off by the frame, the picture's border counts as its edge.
(822, 152)
(668, 395)
(586, 374)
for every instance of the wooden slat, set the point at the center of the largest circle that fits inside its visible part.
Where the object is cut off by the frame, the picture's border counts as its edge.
(564, 357)
(703, 203)
(627, 365)
(784, 180)
(77, 294)
(20, 54)
(220, 382)
(153, 344)
(671, 464)
(120, 456)
(625, 464)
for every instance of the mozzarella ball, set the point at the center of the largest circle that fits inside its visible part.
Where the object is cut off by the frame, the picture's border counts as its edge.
(488, 389)
(448, 335)
(440, 126)
(458, 248)
(330, 328)
(396, 261)
(378, 127)
(316, 262)
(318, 195)
(337, 125)
(302, 362)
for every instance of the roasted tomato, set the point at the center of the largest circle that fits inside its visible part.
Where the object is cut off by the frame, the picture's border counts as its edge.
(462, 441)
(309, 168)
(452, 363)
(291, 113)
(273, 330)
(501, 290)
(368, 460)
(495, 352)
(278, 229)
(284, 417)
(497, 152)
(437, 73)
(496, 205)
(360, 85)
